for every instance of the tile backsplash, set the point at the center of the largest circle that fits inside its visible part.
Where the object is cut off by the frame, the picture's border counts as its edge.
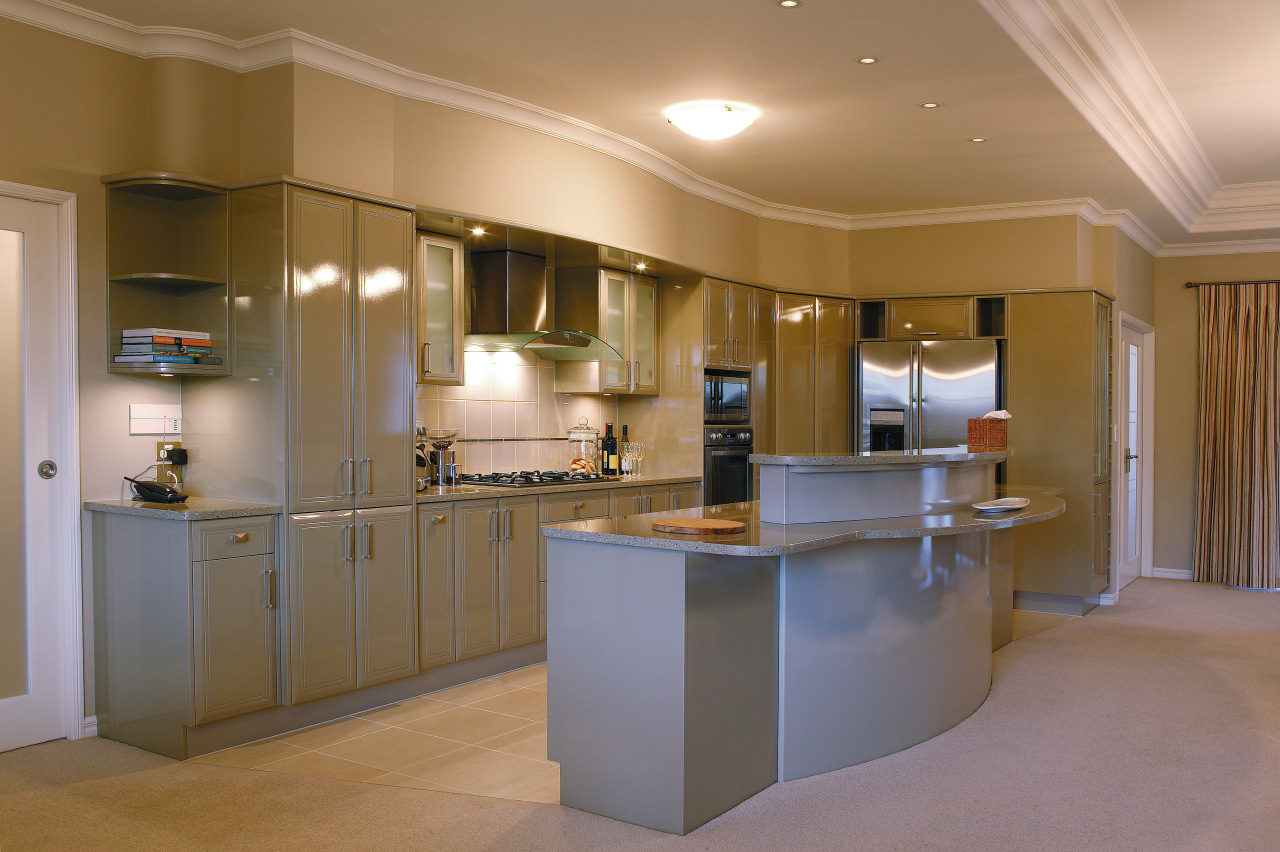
(511, 395)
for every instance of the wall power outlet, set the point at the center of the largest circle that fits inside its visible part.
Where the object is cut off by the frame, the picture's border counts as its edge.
(164, 446)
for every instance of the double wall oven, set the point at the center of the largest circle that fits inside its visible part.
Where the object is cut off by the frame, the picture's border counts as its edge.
(727, 437)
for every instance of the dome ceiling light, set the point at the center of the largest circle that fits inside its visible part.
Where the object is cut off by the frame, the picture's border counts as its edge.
(711, 119)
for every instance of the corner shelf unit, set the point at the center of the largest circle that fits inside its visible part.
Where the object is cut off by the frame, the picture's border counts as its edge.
(167, 264)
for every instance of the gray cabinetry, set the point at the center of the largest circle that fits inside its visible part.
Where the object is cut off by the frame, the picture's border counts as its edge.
(438, 303)
(930, 319)
(796, 379)
(184, 624)
(518, 571)
(435, 585)
(497, 575)
(835, 356)
(621, 308)
(728, 324)
(686, 496)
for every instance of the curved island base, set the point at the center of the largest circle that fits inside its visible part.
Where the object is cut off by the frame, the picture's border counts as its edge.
(687, 673)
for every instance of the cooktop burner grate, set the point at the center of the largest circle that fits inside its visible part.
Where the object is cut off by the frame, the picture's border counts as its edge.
(527, 478)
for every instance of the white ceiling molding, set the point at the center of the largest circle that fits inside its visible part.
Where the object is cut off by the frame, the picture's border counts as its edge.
(1226, 247)
(1090, 54)
(1241, 207)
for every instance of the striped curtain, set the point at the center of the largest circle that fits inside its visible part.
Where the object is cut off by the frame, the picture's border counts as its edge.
(1237, 531)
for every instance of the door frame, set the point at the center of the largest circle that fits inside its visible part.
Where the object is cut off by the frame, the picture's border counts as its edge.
(1146, 448)
(67, 558)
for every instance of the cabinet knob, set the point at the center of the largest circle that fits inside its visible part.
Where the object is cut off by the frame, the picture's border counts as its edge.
(239, 538)
(438, 519)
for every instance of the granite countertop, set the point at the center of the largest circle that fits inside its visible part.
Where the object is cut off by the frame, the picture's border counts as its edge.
(765, 539)
(194, 509)
(447, 493)
(927, 456)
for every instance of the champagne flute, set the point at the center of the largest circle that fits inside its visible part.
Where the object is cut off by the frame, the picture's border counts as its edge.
(638, 456)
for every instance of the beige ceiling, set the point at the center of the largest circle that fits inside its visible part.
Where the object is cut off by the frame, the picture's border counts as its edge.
(844, 138)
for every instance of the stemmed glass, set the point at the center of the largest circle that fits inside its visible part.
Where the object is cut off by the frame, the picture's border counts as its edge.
(637, 456)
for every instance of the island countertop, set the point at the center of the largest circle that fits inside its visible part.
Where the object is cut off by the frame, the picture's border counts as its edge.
(193, 509)
(771, 539)
(926, 456)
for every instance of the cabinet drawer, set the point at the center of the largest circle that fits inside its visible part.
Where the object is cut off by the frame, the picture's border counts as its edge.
(228, 537)
(575, 507)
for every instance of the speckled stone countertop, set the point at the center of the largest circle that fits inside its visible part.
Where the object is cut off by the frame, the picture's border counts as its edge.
(194, 509)
(936, 455)
(446, 493)
(764, 539)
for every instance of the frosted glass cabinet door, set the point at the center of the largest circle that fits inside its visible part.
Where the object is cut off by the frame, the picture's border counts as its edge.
(439, 306)
(645, 335)
(613, 307)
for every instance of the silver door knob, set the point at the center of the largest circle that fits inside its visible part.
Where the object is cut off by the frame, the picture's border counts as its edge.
(47, 469)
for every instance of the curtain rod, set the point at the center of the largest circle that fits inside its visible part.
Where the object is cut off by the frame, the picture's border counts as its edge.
(1229, 283)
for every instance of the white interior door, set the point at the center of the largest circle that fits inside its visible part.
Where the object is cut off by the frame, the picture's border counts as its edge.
(1134, 480)
(39, 660)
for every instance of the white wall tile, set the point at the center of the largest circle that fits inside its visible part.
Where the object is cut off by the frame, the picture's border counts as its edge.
(526, 414)
(504, 419)
(504, 456)
(453, 414)
(479, 419)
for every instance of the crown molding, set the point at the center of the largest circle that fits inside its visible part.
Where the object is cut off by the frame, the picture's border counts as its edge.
(1225, 247)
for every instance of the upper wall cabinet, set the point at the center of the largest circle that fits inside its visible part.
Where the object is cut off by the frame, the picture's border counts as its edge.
(728, 325)
(438, 305)
(929, 319)
(621, 308)
(167, 269)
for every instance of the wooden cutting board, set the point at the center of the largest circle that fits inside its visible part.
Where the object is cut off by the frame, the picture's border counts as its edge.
(700, 526)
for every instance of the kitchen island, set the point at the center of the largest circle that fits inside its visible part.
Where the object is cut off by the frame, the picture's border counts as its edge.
(687, 673)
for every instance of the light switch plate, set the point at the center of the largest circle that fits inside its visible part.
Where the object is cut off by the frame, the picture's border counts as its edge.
(152, 419)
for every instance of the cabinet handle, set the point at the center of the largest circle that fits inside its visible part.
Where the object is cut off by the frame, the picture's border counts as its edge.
(506, 525)
(636, 379)
(243, 538)
(366, 466)
(648, 503)
(675, 501)
(269, 577)
(725, 357)
(735, 349)
(426, 358)
(926, 333)
(348, 543)
(438, 519)
(493, 525)
(367, 529)
(349, 474)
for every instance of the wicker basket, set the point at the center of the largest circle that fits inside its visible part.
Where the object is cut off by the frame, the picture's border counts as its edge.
(986, 434)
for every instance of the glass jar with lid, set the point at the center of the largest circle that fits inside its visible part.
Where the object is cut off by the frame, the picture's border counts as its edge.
(584, 448)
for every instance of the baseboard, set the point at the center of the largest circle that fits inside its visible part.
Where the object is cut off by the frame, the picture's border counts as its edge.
(90, 727)
(1171, 573)
(1107, 599)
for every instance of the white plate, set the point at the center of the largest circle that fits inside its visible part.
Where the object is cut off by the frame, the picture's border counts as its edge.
(1004, 504)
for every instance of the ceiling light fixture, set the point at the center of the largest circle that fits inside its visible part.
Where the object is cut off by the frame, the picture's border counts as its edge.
(868, 60)
(790, 4)
(929, 105)
(478, 230)
(711, 119)
(977, 139)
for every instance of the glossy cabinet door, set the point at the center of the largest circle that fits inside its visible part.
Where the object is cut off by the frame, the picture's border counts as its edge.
(930, 319)
(475, 573)
(435, 585)
(614, 296)
(439, 306)
(644, 335)
(763, 380)
(624, 502)
(233, 645)
(655, 498)
(386, 595)
(1101, 535)
(518, 574)
(740, 298)
(322, 622)
(717, 346)
(383, 363)
(835, 352)
(686, 496)
(1101, 389)
(320, 347)
(794, 431)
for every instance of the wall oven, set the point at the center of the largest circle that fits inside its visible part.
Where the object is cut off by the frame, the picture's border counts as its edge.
(726, 397)
(726, 473)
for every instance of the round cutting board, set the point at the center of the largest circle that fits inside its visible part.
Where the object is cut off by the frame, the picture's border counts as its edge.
(700, 526)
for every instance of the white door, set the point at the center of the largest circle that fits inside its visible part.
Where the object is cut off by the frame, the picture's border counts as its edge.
(1133, 462)
(38, 560)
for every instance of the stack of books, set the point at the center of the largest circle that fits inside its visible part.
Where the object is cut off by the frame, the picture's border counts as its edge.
(165, 346)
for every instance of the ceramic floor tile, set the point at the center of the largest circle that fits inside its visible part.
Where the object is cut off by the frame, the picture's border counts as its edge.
(527, 676)
(525, 703)
(391, 749)
(251, 755)
(466, 724)
(315, 764)
(395, 779)
(543, 787)
(529, 741)
(319, 736)
(469, 693)
(477, 770)
(406, 711)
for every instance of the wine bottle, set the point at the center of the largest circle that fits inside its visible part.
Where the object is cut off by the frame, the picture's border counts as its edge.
(626, 462)
(610, 451)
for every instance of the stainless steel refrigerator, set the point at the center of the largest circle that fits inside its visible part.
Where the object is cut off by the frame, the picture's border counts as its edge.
(916, 395)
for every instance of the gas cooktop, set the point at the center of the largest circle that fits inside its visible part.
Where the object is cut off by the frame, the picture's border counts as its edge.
(529, 478)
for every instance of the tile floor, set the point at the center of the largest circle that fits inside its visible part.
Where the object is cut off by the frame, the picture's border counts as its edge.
(486, 738)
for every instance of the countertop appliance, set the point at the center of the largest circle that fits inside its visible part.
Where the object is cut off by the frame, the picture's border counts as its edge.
(921, 394)
(726, 397)
(440, 459)
(529, 478)
(726, 473)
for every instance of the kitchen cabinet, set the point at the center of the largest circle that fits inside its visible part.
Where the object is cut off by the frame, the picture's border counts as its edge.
(686, 496)
(835, 353)
(796, 356)
(643, 499)
(930, 319)
(1057, 374)
(167, 266)
(184, 624)
(438, 306)
(763, 379)
(352, 596)
(435, 585)
(621, 308)
(728, 341)
(496, 572)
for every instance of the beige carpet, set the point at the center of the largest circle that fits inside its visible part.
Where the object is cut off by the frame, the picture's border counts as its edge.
(1151, 725)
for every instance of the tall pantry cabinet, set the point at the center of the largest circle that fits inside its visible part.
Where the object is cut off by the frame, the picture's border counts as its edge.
(324, 381)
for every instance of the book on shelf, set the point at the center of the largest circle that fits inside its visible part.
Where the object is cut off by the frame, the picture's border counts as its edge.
(167, 341)
(164, 332)
(205, 359)
(155, 358)
(172, 348)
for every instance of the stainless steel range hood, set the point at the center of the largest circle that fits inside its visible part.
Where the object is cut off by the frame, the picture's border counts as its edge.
(513, 311)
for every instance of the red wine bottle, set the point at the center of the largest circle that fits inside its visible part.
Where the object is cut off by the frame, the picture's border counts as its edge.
(610, 451)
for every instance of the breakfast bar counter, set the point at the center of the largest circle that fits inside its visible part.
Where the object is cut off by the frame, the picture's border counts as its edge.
(687, 673)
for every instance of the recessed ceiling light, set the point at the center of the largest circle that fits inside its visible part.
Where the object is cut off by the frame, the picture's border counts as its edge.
(929, 105)
(790, 4)
(641, 266)
(868, 60)
(712, 119)
(977, 139)
(478, 230)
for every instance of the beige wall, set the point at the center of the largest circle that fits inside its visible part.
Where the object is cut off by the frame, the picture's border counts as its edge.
(1177, 394)
(802, 257)
(1014, 254)
(1125, 270)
